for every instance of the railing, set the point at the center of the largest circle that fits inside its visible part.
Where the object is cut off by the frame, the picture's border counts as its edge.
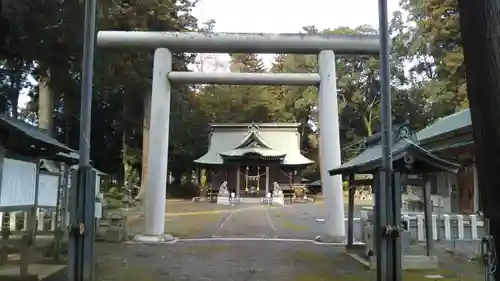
(18, 221)
(446, 227)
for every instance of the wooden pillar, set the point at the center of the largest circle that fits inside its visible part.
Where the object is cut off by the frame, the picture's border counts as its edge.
(267, 180)
(350, 212)
(238, 181)
(246, 178)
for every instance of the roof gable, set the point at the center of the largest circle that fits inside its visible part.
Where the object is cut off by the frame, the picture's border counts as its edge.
(404, 144)
(253, 139)
(371, 159)
(399, 132)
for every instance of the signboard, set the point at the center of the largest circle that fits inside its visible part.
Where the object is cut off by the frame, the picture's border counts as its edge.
(18, 183)
(48, 186)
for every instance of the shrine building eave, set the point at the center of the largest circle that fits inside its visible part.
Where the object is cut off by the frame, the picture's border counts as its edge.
(264, 153)
(370, 160)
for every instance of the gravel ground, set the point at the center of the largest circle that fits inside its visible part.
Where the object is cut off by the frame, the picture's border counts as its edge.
(205, 253)
(227, 260)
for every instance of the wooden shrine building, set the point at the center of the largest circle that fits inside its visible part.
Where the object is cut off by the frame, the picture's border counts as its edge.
(252, 157)
(408, 157)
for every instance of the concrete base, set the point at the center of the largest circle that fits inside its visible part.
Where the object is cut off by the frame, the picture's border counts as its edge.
(335, 239)
(223, 200)
(410, 262)
(36, 272)
(278, 201)
(154, 239)
(413, 262)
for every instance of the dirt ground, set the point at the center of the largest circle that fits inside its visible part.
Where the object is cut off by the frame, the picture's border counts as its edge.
(247, 243)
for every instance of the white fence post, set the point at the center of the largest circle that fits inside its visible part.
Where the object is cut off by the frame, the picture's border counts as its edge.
(473, 227)
(434, 228)
(12, 221)
(420, 228)
(460, 226)
(40, 214)
(447, 227)
(25, 221)
(53, 220)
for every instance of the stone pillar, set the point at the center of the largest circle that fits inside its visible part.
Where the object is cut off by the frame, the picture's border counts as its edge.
(238, 181)
(267, 181)
(158, 146)
(329, 146)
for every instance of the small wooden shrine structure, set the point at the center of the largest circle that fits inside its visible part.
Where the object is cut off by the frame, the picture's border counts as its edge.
(23, 187)
(408, 159)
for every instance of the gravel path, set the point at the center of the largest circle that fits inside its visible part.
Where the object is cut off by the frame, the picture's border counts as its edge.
(227, 260)
(205, 253)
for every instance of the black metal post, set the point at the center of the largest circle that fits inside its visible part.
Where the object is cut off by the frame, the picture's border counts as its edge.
(379, 225)
(428, 215)
(386, 227)
(398, 184)
(350, 212)
(81, 257)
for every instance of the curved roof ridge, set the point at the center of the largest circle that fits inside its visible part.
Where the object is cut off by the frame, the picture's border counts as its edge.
(253, 135)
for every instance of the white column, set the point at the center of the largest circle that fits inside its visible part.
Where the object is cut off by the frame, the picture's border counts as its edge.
(476, 187)
(267, 180)
(329, 146)
(158, 145)
(238, 180)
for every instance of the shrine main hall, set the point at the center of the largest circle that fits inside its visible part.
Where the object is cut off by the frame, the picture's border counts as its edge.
(252, 157)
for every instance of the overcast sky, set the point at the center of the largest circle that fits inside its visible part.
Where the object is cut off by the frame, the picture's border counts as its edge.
(283, 16)
(286, 16)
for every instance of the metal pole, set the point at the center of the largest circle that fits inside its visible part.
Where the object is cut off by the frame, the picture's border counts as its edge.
(350, 212)
(428, 216)
(389, 271)
(81, 261)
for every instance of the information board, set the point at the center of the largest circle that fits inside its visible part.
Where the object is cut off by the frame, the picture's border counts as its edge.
(48, 186)
(18, 183)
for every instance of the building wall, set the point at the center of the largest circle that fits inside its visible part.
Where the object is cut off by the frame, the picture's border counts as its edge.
(459, 192)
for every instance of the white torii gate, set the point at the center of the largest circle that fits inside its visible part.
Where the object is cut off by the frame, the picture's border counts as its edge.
(326, 46)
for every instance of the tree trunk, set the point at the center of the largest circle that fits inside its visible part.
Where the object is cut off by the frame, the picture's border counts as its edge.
(45, 104)
(145, 144)
(18, 86)
(480, 28)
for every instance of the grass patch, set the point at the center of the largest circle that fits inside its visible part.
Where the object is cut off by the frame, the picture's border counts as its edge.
(285, 224)
(328, 267)
(194, 226)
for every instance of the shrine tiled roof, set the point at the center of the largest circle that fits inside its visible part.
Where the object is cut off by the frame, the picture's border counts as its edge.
(444, 125)
(371, 159)
(50, 147)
